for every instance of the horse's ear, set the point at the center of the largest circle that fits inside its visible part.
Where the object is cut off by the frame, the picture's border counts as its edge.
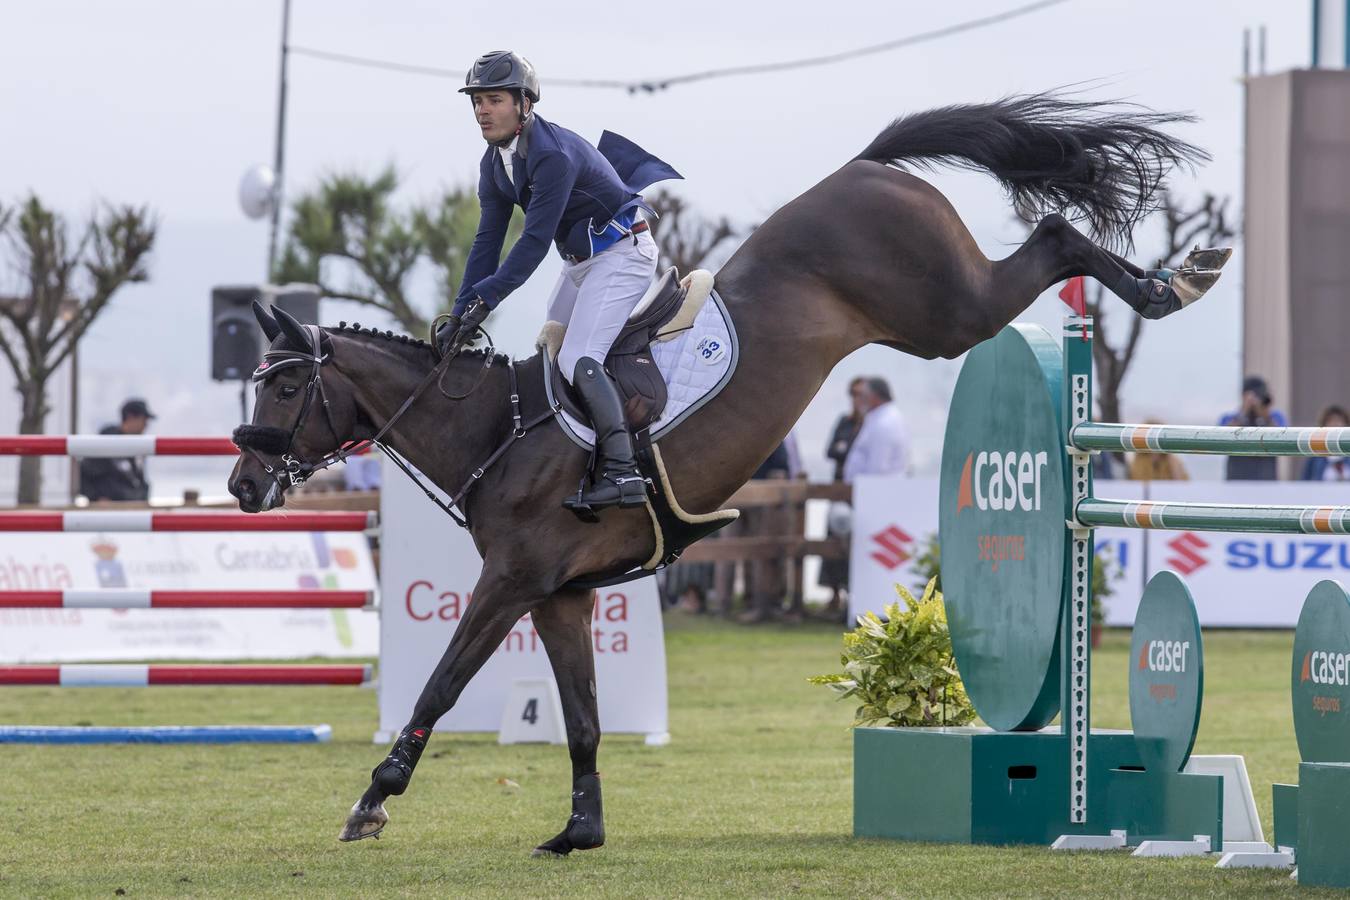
(265, 321)
(291, 327)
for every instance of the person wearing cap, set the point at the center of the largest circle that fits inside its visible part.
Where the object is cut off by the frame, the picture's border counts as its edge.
(1256, 411)
(122, 478)
(586, 201)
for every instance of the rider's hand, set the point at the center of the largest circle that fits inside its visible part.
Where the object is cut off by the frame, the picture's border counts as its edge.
(473, 316)
(446, 333)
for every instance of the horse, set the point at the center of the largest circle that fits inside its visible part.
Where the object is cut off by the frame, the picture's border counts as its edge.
(871, 254)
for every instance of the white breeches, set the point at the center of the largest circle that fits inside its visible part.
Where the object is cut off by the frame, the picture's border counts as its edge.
(595, 297)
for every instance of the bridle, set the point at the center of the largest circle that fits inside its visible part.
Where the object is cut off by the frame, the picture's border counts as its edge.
(295, 471)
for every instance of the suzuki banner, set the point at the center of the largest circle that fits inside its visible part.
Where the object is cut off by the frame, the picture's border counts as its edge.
(894, 518)
(185, 561)
(1239, 580)
(428, 568)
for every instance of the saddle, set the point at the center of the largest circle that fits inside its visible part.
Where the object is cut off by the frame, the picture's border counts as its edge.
(668, 308)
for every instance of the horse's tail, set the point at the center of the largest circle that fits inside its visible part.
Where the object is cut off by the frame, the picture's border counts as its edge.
(1099, 162)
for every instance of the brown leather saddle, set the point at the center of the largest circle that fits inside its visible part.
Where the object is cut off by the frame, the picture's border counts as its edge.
(630, 360)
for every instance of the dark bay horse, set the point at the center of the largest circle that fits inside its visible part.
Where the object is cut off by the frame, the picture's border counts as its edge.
(872, 254)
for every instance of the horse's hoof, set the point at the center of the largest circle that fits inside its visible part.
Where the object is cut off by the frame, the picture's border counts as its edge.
(543, 852)
(1191, 284)
(1209, 258)
(364, 823)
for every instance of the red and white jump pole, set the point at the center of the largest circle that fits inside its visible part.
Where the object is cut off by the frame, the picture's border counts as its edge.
(151, 520)
(89, 446)
(140, 675)
(119, 598)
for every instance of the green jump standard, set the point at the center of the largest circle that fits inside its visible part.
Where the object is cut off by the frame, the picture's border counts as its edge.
(978, 786)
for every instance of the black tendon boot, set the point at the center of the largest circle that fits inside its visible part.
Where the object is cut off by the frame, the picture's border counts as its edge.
(616, 480)
(393, 774)
(586, 828)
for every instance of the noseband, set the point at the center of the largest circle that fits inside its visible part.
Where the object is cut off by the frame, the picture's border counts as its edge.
(259, 439)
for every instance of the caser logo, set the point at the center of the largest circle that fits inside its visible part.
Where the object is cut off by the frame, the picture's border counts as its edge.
(895, 546)
(1002, 480)
(1187, 547)
(1326, 667)
(1164, 656)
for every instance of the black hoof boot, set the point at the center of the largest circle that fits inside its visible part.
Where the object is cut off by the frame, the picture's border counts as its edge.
(391, 776)
(586, 828)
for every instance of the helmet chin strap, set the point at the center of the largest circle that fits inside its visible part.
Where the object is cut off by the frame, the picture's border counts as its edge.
(521, 120)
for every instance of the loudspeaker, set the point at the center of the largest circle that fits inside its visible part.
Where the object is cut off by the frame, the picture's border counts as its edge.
(237, 343)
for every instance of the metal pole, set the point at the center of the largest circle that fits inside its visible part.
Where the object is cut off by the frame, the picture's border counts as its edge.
(279, 159)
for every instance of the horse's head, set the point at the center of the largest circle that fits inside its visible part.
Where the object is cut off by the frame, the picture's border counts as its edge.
(299, 420)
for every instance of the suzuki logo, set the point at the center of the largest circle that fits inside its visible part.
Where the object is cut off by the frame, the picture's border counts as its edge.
(1187, 547)
(895, 546)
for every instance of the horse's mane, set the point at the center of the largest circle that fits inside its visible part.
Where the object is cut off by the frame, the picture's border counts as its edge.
(425, 352)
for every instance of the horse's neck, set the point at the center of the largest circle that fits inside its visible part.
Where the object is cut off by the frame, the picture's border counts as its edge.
(444, 438)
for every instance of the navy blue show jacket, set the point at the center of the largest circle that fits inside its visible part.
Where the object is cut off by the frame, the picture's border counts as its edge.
(564, 185)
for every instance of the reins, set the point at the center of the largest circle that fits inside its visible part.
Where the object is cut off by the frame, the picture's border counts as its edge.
(296, 471)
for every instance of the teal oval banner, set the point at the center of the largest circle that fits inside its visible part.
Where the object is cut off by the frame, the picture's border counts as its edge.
(1321, 675)
(1001, 525)
(1167, 674)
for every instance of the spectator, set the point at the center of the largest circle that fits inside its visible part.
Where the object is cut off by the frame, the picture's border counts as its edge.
(1149, 466)
(846, 429)
(834, 572)
(882, 444)
(121, 478)
(1322, 468)
(1256, 411)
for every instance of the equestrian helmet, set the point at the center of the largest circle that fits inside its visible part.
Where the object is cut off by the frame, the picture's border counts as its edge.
(502, 70)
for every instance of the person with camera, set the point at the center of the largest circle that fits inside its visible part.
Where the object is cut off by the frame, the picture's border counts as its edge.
(1256, 410)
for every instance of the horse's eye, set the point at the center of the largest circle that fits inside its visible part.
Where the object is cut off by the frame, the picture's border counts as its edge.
(288, 391)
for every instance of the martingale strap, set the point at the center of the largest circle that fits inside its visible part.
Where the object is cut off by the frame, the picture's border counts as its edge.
(518, 431)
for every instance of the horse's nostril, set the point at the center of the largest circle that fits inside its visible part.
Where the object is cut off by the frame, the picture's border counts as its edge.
(247, 490)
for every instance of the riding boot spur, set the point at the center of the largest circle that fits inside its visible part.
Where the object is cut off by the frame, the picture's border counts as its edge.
(393, 774)
(586, 828)
(615, 480)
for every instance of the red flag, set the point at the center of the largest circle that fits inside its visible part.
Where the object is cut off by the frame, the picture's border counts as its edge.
(1073, 294)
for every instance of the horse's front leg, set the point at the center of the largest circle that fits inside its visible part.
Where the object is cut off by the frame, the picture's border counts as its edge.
(563, 622)
(498, 603)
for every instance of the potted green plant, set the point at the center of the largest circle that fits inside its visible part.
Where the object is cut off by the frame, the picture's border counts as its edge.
(900, 668)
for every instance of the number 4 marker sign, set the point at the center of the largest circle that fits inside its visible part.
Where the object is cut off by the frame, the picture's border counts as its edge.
(532, 713)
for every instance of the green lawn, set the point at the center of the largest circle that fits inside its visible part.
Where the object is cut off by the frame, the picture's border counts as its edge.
(751, 798)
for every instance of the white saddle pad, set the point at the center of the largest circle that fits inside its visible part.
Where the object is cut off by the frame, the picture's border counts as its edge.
(696, 365)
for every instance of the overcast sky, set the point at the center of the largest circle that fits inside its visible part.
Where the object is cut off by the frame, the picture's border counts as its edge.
(167, 104)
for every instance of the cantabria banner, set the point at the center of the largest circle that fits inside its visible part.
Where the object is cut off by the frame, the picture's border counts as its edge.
(196, 561)
(428, 568)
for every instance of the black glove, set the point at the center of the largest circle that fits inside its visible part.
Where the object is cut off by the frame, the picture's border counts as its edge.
(446, 333)
(473, 316)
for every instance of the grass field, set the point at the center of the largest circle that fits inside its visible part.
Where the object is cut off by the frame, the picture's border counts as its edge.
(753, 797)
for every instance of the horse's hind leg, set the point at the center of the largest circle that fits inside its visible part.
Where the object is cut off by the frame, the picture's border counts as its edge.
(498, 603)
(564, 624)
(1056, 251)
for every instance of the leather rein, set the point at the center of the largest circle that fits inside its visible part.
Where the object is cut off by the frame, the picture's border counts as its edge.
(295, 471)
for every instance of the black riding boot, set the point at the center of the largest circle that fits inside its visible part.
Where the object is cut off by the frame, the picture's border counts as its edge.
(615, 480)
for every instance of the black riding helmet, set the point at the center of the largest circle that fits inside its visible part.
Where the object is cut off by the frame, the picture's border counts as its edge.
(502, 70)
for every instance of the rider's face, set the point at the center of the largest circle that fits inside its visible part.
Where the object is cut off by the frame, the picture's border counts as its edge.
(496, 114)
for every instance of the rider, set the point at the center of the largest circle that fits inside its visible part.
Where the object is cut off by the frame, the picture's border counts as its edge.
(586, 201)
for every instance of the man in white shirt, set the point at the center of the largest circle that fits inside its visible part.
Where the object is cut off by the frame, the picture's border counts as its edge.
(882, 444)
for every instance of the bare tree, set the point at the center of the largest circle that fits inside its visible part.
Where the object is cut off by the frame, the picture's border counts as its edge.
(347, 237)
(63, 286)
(687, 240)
(1206, 223)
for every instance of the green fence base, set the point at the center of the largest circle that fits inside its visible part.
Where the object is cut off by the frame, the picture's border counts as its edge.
(977, 786)
(1284, 800)
(1323, 809)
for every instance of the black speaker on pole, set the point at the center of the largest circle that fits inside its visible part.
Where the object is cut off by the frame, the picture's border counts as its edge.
(237, 343)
